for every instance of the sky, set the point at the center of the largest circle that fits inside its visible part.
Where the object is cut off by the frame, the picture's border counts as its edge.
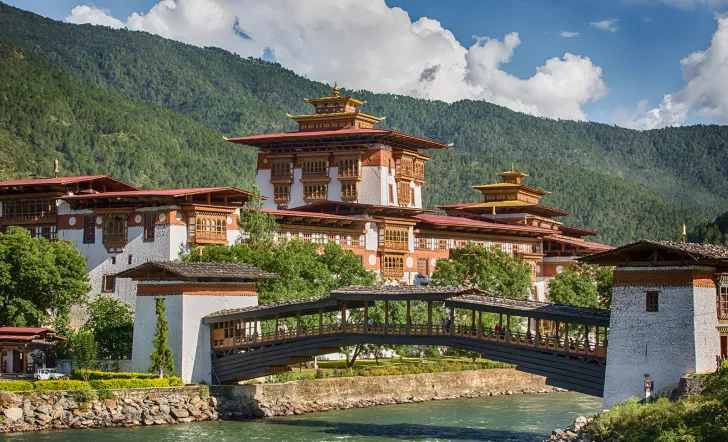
(635, 63)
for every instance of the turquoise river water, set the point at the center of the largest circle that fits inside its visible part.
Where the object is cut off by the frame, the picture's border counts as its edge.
(502, 418)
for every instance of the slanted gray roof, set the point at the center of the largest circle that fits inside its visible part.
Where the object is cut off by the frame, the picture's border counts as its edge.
(395, 293)
(196, 271)
(533, 309)
(283, 309)
(653, 252)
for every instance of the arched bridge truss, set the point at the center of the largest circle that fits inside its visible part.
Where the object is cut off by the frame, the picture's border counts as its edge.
(536, 337)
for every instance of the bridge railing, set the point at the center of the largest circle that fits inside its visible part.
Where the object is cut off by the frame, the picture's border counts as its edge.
(548, 342)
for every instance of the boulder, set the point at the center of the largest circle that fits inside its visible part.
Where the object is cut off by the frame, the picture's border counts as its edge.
(13, 414)
(179, 413)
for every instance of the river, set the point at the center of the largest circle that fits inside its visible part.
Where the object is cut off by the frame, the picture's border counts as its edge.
(516, 418)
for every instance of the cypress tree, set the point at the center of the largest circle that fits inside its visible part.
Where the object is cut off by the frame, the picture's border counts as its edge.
(161, 357)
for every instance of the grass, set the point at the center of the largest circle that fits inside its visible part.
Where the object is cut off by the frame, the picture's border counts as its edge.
(396, 365)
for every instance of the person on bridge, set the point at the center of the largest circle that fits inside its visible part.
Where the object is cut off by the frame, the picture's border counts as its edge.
(370, 323)
(442, 324)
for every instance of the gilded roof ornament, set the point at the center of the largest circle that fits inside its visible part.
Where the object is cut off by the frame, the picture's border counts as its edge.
(335, 90)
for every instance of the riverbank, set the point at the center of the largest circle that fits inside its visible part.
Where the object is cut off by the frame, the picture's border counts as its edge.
(44, 410)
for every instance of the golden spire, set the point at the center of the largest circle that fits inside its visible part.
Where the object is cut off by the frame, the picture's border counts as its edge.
(513, 167)
(335, 90)
(684, 238)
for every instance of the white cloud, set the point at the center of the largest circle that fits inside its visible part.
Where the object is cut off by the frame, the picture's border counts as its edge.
(567, 34)
(371, 46)
(706, 88)
(606, 25)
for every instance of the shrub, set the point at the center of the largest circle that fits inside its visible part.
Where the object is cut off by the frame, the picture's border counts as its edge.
(96, 375)
(83, 395)
(105, 393)
(136, 383)
(59, 385)
(16, 386)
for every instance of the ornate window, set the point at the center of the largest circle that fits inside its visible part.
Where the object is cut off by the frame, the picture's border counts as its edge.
(722, 288)
(393, 266)
(394, 237)
(349, 168)
(207, 228)
(29, 209)
(315, 191)
(652, 301)
(89, 229)
(150, 221)
(406, 167)
(281, 171)
(403, 193)
(422, 267)
(314, 168)
(349, 190)
(47, 231)
(114, 231)
(420, 171)
(282, 194)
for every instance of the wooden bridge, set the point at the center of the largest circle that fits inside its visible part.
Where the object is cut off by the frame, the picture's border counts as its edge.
(567, 345)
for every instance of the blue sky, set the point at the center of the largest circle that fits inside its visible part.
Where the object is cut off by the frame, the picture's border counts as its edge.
(640, 60)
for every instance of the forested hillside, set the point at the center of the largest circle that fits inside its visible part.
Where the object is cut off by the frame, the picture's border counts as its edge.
(624, 183)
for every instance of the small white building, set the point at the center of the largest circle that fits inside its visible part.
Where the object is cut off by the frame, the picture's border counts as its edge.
(189, 292)
(669, 315)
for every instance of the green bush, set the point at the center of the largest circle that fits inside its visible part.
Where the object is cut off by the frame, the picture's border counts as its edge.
(16, 386)
(83, 395)
(96, 375)
(59, 385)
(136, 383)
(105, 393)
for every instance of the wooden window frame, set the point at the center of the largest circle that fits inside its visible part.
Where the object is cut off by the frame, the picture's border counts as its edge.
(315, 191)
(150, 226)
(722, 296)
(282, 193)
(349, 190)
(89, 229)
(652, 301)
(109, 284)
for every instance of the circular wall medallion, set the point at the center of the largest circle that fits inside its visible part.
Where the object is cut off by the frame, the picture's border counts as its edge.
(229, 220)
(179, 216)
(372, 260)
(72, 221)
(138, 219)
(538, 269)
(99, 220)
(162, 217)
(559, 269)
(410, 262)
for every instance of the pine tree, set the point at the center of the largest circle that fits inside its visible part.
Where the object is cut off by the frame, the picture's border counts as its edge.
(161, 357)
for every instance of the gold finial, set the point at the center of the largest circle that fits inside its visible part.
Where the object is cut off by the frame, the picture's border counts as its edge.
(684, 238)
(55, 167)
(335, 90)
(513, 167)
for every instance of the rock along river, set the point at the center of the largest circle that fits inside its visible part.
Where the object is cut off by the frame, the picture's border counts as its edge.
(502, 418)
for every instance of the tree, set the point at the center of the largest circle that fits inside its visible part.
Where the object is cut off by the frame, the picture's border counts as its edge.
(39, 279)
(259, 226)
(85, 352)
(111, 320)
(161, 357)
(583, 285)
(487, 269)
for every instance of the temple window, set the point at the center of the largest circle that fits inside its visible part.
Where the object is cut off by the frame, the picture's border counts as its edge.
(722, 288)
(391, 194)
(315, 191)
(403, 193)
(208, 228)
(282, 193)
(394, 237)
(47, 231)
(109, 285)
(420, 170)
(405, 167)
(281, 171)
(315, 168)
(25, 209)
(349, 168)
(89, 229)
(349, 190)
(422, 267)
(114, 231)
(652, 301)
(393, 266)
(150, 221)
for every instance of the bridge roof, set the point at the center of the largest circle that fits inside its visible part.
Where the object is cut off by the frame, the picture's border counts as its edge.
(661, 253)
(531, 309)
(284, 309)
(396, 293)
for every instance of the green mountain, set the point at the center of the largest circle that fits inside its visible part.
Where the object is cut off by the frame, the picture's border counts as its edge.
(624, 183)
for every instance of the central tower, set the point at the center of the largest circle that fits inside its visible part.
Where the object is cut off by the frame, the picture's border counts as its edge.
(337, 155)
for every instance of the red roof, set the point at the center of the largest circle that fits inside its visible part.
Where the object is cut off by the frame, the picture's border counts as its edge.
(580, 244)
(456, 221)
(163, 192)
(375, 134)
(25, 330)
(64, 181)
(577, 231)
(17, 337)
(280, 212)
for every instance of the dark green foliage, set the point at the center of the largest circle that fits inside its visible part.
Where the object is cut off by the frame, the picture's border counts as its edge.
(161, 357)
(626, 184)
(486, 268)
(85, 352)
(582, 285)
(39, 279)
(95, 375)
(259, 225)
(111, 321)
(711, 232)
